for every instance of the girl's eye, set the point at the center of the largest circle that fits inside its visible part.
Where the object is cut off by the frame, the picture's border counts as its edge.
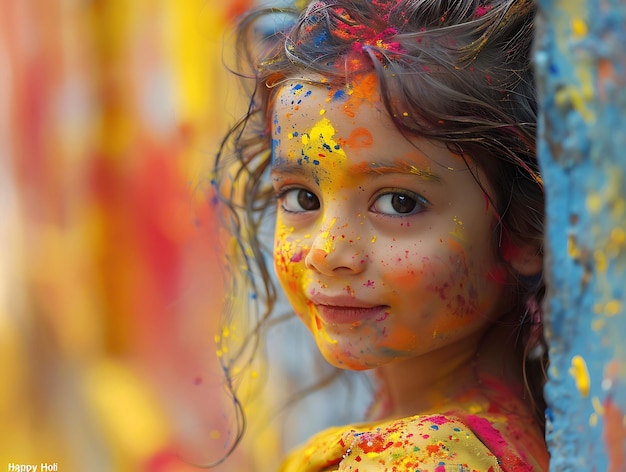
(298, 200)
(399, 203)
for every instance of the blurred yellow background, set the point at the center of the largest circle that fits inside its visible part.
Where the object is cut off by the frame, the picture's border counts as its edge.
(110, 268)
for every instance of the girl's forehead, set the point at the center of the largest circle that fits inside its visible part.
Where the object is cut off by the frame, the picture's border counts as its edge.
(299, 92)
(320, 126)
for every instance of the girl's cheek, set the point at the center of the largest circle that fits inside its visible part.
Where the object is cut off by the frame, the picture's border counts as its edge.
(289, 257)
(439, 275)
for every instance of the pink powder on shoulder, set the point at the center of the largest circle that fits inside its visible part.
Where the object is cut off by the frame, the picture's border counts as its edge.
(492, 438)
(439, 419)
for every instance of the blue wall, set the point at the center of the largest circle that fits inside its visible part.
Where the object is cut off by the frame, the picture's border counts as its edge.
(581, 66)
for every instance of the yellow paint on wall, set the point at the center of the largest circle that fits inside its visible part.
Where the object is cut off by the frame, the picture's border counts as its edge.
(594, 203)
(613, 307)
(579, 28)
(580, 373)
(580, 94)
(572, 248)
(597, 406)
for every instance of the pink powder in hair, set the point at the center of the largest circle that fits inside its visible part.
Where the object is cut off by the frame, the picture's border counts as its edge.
(481, 10)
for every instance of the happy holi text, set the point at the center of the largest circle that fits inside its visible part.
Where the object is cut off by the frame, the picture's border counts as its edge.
(42, 467)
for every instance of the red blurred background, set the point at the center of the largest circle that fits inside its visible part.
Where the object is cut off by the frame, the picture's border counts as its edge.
(111, 280)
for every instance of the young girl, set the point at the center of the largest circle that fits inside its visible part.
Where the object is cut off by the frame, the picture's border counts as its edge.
(396, 140)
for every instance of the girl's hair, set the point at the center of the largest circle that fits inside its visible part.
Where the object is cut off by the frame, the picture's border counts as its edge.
(454, 71)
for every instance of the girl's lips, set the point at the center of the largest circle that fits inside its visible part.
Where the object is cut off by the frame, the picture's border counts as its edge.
(351, 314)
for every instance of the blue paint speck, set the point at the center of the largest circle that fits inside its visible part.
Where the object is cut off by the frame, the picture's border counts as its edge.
(339, 95)
(275, 143)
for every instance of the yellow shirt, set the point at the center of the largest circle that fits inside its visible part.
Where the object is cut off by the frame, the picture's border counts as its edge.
(433, 443)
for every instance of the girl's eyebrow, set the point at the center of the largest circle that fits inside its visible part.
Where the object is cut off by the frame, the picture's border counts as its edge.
(373, 168)
(301, 169)
(395, 167)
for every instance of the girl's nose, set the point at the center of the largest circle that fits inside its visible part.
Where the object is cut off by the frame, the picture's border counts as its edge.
(335, 253)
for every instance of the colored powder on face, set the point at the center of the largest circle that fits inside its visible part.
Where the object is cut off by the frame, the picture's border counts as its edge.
(398, 340)
(457, 232)
(498, 274)
(359, 138)
(275, 144)
(297, 257)
(402, 280)
(321, 138)
(339, 95)
(365, 88)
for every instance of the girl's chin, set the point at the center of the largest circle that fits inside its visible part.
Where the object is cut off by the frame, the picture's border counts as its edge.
(348, 360)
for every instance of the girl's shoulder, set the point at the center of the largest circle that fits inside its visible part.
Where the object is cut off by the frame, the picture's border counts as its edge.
(451, 442)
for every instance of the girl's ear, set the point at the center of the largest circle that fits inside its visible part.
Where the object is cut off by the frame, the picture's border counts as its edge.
(526, 260)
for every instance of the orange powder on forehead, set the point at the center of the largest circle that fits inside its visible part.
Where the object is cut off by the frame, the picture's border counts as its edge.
(364, 87)
(359, 138)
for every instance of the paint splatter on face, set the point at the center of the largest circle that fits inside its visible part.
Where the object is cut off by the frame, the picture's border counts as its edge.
(382, 245)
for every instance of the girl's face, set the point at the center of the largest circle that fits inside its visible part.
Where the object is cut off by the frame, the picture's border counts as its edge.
(383, 245)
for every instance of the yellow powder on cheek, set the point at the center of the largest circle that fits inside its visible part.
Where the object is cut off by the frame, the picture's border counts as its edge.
(289, 256)
(458, 232)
